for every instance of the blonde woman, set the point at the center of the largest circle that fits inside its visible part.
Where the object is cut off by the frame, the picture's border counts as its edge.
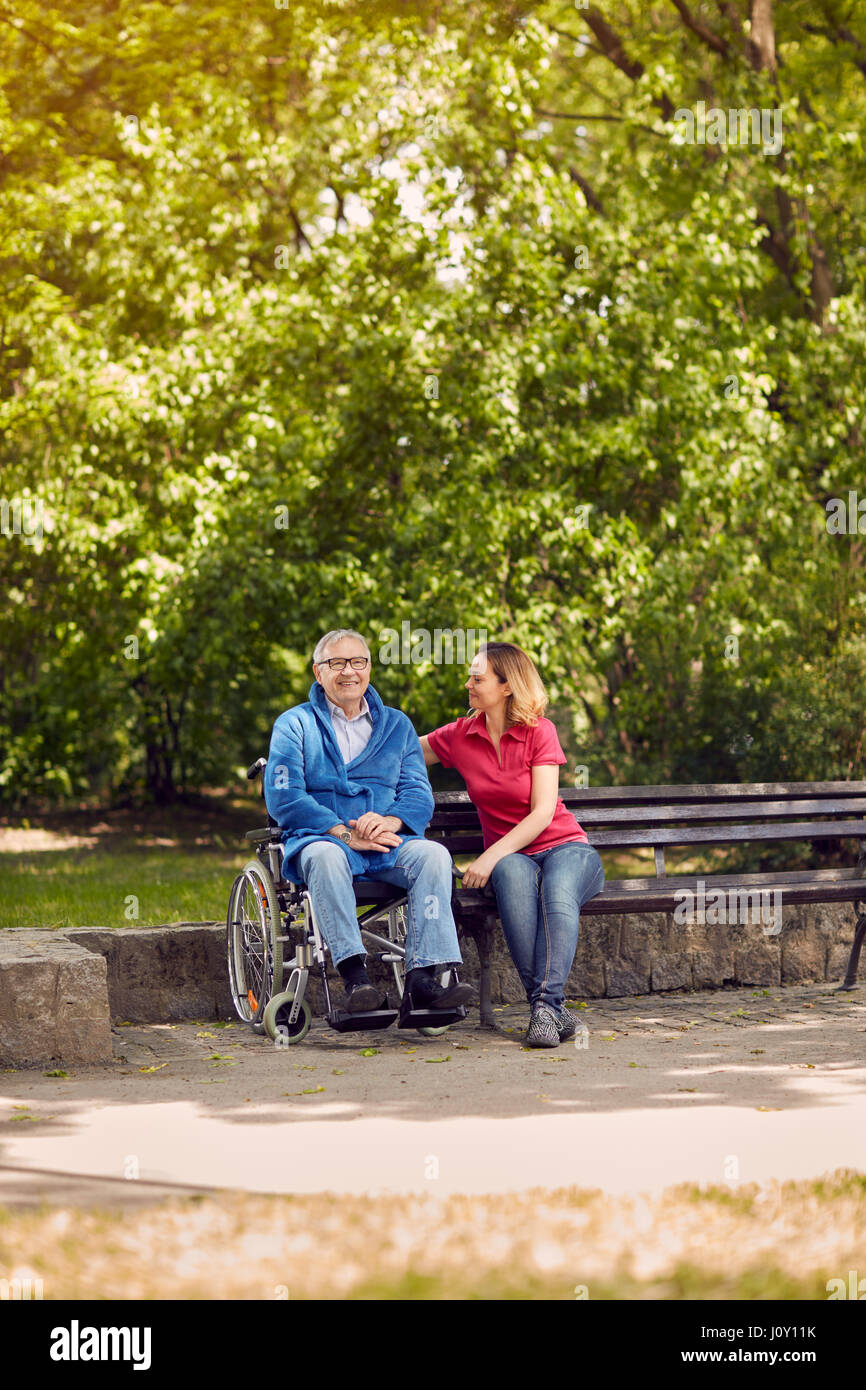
(536, 858)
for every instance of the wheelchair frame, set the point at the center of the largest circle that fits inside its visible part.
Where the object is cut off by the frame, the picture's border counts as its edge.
(266, 912)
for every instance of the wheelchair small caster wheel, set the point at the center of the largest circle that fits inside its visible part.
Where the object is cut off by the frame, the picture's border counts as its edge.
(433, 1032)
(276, 1020)
(258, 1027)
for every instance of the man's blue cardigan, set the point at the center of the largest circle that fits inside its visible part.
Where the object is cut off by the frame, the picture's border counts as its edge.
(308, 787)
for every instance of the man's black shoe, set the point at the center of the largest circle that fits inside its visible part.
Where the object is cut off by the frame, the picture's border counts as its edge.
(451, 997)
(361, 997)
(427, 993)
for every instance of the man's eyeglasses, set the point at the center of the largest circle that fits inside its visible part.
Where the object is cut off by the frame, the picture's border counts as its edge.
(339, 663)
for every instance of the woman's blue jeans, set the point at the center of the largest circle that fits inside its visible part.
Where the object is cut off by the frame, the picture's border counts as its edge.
(539, 898)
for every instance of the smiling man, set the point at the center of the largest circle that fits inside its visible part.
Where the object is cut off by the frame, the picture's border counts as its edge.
(347, 784)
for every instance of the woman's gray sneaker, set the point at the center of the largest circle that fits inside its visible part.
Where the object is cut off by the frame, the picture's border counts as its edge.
(543, 1030)
(566, 1024)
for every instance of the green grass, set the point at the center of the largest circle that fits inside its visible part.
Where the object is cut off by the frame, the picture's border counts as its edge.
(179, 865)
(94, 889)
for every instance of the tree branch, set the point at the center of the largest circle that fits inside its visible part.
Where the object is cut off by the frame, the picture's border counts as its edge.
(575, 38)
(837, 36)
(612, 45)
(592, 199)
(575, 116)
(615, 52)
(301, 238)
(732, 15)
(702, 30)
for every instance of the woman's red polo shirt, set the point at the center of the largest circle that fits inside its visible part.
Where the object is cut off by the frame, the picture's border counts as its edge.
(502, 795)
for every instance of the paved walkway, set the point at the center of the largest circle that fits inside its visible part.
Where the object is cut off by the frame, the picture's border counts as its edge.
(716, 1087)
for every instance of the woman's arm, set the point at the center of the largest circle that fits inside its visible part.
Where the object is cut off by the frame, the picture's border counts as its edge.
(542, 806)
(429, 756)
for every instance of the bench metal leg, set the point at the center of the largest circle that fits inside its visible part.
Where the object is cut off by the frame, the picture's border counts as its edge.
(850, 981)
(482, 938)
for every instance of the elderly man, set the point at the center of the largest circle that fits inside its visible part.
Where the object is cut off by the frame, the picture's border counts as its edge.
(346, 781)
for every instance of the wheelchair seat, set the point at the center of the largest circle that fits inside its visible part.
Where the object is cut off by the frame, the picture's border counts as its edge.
(374, 891)
(366, 890)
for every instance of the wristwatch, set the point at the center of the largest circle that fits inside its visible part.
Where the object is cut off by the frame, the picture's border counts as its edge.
(346, 836)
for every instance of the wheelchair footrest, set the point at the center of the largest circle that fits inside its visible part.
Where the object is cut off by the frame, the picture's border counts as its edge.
(432, 1018)
(343, 1022)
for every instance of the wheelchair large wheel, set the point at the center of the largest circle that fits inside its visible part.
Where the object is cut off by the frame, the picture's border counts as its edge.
(255, 952)
(397, 933)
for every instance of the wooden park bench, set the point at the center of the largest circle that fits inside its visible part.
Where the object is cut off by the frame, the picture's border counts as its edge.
(632, 818)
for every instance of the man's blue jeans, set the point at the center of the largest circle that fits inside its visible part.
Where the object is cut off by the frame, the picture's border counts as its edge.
(423, 868)
(539, 898)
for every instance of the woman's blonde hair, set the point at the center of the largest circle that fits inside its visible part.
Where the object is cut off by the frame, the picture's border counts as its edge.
(528, 699)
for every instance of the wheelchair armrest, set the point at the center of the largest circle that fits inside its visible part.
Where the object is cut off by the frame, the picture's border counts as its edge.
(268, 832)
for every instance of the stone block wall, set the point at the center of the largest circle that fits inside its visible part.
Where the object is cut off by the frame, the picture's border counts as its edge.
(60, 992)
(53, 1001)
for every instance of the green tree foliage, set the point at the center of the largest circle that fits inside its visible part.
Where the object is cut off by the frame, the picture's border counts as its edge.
(360, 314)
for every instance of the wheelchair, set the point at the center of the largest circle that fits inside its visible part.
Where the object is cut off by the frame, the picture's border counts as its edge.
(273, 941)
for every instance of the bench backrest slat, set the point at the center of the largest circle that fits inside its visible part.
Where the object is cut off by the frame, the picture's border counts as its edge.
(467, 817)
(630, 838)
(687, 793)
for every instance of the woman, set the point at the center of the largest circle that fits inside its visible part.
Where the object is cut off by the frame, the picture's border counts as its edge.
(537, 859)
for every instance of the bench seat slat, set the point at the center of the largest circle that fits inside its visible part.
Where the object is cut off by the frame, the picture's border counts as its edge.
(658, 895)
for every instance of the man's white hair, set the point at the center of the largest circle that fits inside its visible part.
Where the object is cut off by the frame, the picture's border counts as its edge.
(331, 638)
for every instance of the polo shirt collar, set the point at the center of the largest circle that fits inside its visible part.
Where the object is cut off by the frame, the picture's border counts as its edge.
(478, 725)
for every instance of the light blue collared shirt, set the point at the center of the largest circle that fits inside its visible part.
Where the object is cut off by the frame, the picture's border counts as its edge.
(353, 735)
